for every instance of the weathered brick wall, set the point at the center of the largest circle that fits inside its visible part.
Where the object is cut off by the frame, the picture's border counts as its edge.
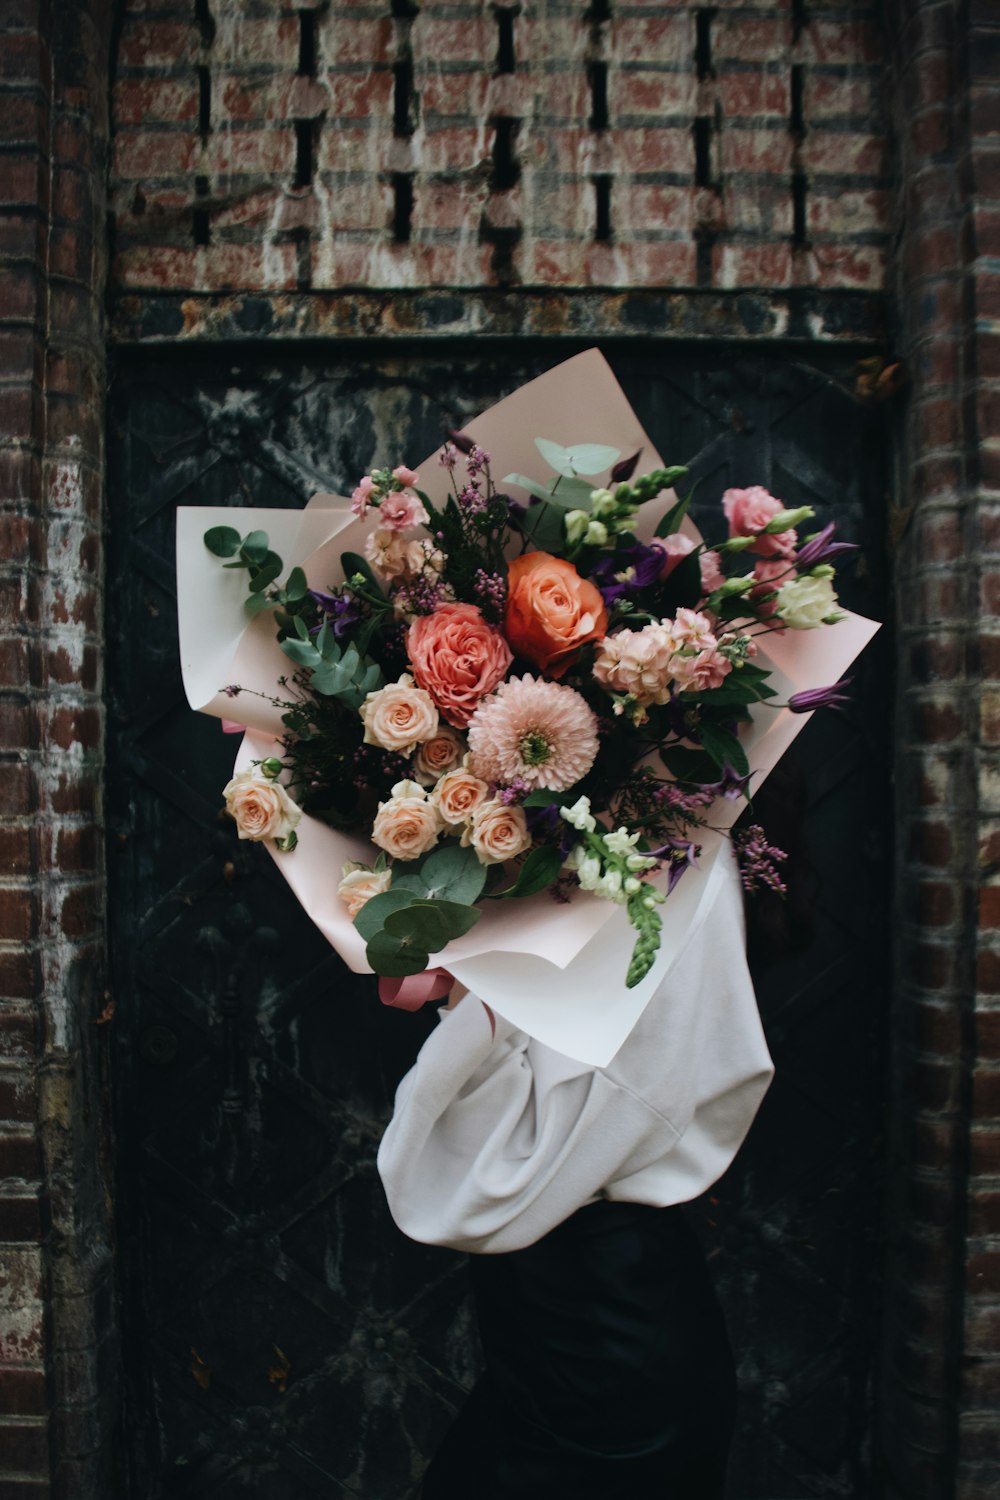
(940, 1428)
(547, 143)
(57, 1324)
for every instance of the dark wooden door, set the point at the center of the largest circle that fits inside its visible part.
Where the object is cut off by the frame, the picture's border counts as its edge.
(283, 1340)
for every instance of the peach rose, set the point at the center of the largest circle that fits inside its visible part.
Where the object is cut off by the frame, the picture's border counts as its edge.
(551, 611)
(360, 884)
(497, 832)
(457, 658)
(399, 716)
(262, 808)
(408, 824)
(438, 755)
(458, 795)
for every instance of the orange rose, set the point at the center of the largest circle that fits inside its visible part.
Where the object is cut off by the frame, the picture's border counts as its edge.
(551, 611)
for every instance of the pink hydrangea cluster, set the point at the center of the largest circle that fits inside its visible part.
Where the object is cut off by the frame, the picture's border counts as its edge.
(645, 665)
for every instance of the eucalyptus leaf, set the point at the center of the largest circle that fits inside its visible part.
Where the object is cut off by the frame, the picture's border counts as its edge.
(303, 653)
(222, 541)
(452, 873)
(256, 604)
(297, 587)
(393, 958)
(457, 917)
(540, 491)
(419, 924)
(543, 524)
(267, 574)
(254, 546)
(581, 458)
(372, 915)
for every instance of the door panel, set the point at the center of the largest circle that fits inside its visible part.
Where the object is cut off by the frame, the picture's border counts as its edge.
(283, 1340)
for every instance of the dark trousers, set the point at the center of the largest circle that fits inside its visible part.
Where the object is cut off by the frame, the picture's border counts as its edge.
(609, 1374)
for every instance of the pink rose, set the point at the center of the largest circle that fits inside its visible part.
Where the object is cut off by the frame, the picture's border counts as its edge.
(749, 511)
(437, 755)
(674, 548)
(400, 509)
(457, 658)
(361, 499)
(408, 824)
(458, 795)
(404, 475)
(360, 884)
(497, 832)
(772, 572)
(712, 576)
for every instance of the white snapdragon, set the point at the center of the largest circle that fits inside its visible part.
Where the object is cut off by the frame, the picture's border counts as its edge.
(579, 815)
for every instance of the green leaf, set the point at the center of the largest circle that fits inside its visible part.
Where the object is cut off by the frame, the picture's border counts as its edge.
(266, 575)
(297, 586)
(353, 562)
(544, 797)
(582, 458)
(452, 874)
(303, 653)
(301, 628)
(222, 541)
(540, 491)
(724, 748)
(393, 958)
(372, 915)
(256, 604)
(689, 765)
(418, 924)
(543, 524)
(683, 587)
(254, 547)
(539, 870)
(457, 917)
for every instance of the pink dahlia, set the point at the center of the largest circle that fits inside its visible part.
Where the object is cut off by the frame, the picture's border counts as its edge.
(538, 731)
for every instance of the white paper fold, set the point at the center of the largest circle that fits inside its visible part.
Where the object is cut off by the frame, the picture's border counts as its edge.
(555, 971)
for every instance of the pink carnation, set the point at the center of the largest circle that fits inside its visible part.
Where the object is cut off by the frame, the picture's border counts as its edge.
(400, 509)
(749, 511)
(361, 499)
(457, 658)
(405, 475)
(536, 732)
(707, 669)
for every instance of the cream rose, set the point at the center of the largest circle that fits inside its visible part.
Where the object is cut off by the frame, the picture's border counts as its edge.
(399, 716)
(360, 884)
(438, 755)
(261, 807)
(497, 832)
(458, 795)
(408, 824)
(804, 603)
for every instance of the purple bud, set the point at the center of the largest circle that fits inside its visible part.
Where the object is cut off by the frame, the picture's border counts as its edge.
(821, 549)
(625, 468)
(824, 697)
(462, 441)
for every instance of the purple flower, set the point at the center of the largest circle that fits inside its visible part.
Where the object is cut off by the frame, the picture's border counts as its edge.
(477, 460)
(823, 697)
(822, 549)
(681, 853)
(730, 785)
(625, 468)
(624, 574)
(341, 609)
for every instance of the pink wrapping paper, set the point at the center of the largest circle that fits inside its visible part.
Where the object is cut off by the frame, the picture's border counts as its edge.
(554, 971)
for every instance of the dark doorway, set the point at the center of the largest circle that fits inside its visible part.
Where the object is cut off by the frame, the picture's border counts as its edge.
(282, 1340)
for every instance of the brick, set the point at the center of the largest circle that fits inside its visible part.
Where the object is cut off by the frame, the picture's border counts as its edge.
(22, 1391)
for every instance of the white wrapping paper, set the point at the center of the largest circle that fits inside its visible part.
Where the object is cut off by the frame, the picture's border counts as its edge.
(555, 971)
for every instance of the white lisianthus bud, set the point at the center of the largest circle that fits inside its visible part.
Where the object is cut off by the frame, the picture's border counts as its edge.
(785, 520)
(736, 586)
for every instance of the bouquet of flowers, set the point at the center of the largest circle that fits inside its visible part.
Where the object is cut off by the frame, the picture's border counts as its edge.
(540, 690)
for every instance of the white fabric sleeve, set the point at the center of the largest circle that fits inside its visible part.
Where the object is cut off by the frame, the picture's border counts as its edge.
(478, 1157)
(496, 1139)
